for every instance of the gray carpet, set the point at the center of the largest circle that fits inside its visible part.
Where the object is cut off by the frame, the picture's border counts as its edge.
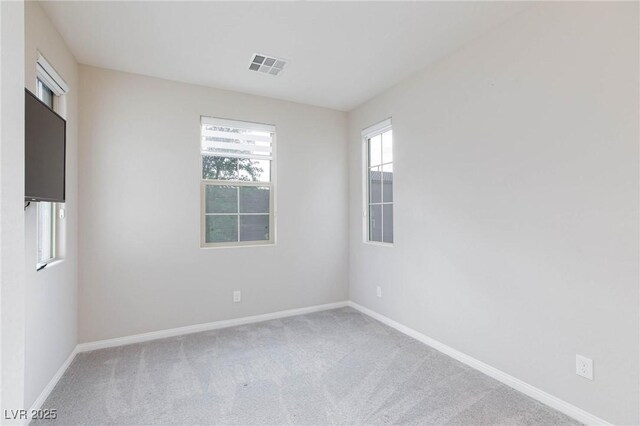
(332, 367)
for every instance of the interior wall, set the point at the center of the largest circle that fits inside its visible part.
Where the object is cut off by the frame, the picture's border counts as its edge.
(12, 277)
(516, 203)
(142, 268)
(51, 326)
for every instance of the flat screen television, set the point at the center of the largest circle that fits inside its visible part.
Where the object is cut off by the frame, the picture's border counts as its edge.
(45, 150)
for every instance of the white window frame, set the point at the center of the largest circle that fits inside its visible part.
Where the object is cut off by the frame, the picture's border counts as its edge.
(368, 133)
(240, 183)
(46, 74)
(50, 77)
(42, 207)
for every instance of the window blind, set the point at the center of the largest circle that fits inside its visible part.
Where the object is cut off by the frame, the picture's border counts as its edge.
(238, 139)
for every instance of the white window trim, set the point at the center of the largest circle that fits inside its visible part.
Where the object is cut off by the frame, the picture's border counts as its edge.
(248, 125)
(271, 184)
(45, 262)
(50, 77)
(368, 133)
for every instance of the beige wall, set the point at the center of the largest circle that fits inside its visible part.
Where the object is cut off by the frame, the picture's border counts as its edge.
(516, 215)
(12, 291)
(51, 326)
(142, 268)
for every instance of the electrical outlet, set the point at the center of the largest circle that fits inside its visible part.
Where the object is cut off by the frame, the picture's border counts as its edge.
(584, 367)
(237, 296)
(379, 291)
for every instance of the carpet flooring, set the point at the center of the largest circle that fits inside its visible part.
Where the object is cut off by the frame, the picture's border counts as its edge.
(331, 367)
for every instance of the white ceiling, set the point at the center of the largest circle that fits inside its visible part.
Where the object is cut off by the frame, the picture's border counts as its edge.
(341, 53)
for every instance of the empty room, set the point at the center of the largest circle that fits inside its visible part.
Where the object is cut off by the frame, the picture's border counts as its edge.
(319, 213)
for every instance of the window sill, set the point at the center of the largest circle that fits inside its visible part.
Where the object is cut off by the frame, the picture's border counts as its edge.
(237, 246)
(374, 243)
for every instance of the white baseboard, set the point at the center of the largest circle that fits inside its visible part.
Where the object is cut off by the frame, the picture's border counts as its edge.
(37, 404)
(535, 393)
(161, 334)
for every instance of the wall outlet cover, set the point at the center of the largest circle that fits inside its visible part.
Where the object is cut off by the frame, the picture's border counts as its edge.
(379, 291)
(584, 367)
(237, 296)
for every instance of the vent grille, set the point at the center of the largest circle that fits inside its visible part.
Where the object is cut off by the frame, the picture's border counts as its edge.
(267, 64)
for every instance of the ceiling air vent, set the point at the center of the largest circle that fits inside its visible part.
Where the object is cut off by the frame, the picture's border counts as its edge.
(266, 64)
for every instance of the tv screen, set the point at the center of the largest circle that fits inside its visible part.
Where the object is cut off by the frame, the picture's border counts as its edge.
(45, 145)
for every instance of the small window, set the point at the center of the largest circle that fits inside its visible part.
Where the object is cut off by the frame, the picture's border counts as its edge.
(45, 210)
(237, 185)
(50, 89)
(378, 213)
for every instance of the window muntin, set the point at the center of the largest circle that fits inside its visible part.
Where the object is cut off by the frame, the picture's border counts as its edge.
(236, 183)
(379, 183)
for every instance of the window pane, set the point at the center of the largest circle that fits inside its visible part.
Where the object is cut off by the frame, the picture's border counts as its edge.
(254, 228)
(387, 179)
(221, 199)
(222, 168)
(254, 199)
(375, 151)
(254, 170)
(375, 185)
(221, 229)
(45, 94)
(387, 227)
(375, 223)
(45, 231)
(387, 147)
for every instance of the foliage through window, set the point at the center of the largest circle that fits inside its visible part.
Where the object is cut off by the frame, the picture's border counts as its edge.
(237, 190)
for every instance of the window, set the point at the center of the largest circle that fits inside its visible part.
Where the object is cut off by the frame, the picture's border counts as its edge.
(44, 93)
(378, 141)
(50, 88)
(237, 187)
(45, 210)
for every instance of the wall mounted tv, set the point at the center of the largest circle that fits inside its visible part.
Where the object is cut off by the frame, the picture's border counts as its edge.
(45, 150)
